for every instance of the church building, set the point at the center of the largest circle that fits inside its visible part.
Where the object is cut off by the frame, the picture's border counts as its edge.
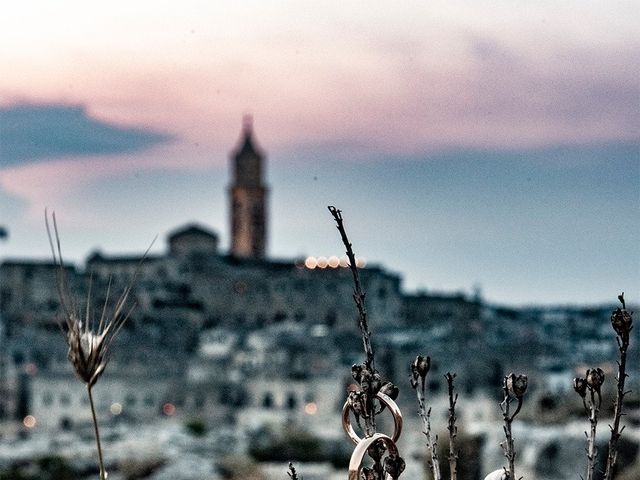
(248, 195)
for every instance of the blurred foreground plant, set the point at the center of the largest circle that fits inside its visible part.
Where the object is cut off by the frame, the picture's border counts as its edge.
(88, 339)
(514, 388)
(372, 396)
(622, 323)
(362, 402)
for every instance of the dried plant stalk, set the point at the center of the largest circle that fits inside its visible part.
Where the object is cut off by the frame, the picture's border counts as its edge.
(591, 384)
(88, 343)
(358, 293)
(452, 428)
(363, 402)
(592, 451)
(622, 323)
(293, 475)
(514, 387)
(419, 370)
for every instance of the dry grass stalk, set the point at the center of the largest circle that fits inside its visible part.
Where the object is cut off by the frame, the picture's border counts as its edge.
(622, 323)
(88, 339)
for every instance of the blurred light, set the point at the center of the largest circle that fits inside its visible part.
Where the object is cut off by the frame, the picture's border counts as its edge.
(169, 409)
(344, 261)
(361, 262)
(319, 330)
(29, 421)
(311, 408)
(115, 408)
(322, 262)
(334, 261)
(311, 262)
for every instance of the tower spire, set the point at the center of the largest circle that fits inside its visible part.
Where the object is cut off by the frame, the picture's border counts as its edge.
(247, 124)
(248, 197)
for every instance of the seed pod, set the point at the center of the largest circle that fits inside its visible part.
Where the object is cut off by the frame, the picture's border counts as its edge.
(517, 385)
(419, 369)
(356, 372)
(376, 451)
(394, 466)
(595, 378)
(390, 390)
(368, 474)
(621, 322)
(580, 386)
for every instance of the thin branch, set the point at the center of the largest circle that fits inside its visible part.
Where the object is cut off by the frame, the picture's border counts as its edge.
(293, 475)
(451, 426)
(508, 445)
(419, 370)
(366, 374)
(591, 384)
(358, 293)
(622, 323)
(592, 450)
(514, 388)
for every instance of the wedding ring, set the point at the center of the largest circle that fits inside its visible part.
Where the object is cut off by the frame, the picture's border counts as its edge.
(355, 464)
(387, 402)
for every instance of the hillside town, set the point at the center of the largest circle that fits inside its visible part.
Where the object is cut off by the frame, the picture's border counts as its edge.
(232, 361)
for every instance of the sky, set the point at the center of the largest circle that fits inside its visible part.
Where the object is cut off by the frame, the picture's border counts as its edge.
(470, 144)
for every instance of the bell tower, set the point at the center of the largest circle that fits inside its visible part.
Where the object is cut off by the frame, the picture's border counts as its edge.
(248, 196)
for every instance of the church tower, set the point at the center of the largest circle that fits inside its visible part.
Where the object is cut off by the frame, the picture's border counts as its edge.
(248, 196)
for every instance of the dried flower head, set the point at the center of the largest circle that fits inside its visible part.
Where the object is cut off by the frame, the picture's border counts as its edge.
(370, 382)
(419, 369)
(368, 474)
(580, 386)
(377, 450)
(88, 343)
(517, 385)
(394, 466)
(595, 378)
(390, 390)
(621, 320)
(356, 402)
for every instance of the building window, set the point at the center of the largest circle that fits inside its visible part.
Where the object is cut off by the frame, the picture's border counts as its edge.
(292, 402)
(267, 400)
(130, 399)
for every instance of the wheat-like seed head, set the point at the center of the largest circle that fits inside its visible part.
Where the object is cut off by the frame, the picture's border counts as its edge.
(88, 343)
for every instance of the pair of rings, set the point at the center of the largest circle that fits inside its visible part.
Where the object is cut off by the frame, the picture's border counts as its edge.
(362, 445)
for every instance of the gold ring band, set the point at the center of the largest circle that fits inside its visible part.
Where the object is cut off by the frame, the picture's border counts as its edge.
(355, 464)
(387, 402)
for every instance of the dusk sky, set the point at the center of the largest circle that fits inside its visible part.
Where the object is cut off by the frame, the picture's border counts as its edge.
(469, 143)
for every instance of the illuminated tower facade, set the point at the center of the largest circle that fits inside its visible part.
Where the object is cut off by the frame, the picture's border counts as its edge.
(248, 195)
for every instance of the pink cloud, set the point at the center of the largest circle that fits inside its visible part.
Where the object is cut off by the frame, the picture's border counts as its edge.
(53, 183)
